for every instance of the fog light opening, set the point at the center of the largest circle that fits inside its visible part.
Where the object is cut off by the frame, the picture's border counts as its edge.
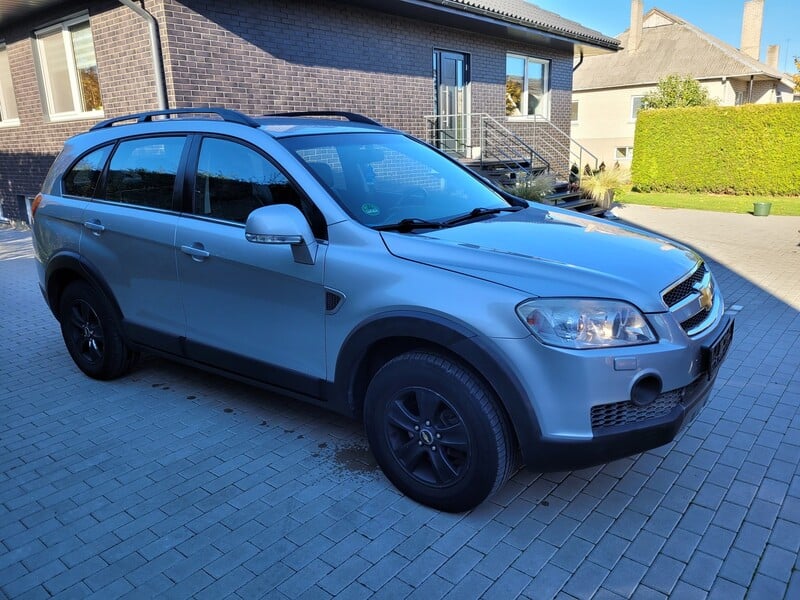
(646, 390)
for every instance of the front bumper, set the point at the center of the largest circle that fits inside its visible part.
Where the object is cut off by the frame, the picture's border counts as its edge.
(582, 399)
(622, 440)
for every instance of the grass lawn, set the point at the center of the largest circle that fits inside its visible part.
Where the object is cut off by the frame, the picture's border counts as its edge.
(781, 205)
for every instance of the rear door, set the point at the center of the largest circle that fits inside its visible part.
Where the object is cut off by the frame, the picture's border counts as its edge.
(250, 308)
(129, 237)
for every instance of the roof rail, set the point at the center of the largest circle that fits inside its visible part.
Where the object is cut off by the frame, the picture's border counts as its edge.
(350, 116)
(231, 116)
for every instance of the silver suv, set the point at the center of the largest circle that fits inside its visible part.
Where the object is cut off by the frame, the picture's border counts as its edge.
(354, 267)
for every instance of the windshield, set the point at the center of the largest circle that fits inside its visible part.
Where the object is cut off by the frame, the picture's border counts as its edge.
(383, 178)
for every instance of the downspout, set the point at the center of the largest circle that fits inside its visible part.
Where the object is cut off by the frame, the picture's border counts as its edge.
(750, 91)
(580, 62)
(155, 51)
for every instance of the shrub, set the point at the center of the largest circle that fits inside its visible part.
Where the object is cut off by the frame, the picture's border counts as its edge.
(750, 149)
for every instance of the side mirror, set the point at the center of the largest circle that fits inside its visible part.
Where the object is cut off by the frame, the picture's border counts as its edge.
(285, 225)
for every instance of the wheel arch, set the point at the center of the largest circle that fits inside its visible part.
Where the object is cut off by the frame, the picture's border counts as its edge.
(67, 267)
(388, 335)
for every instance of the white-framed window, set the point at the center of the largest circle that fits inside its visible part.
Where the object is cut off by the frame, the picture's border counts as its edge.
(8, 102)
(68, 68)
(636, 106)
(623, 152)
(574, 111)
(739, 100)
(527, 86)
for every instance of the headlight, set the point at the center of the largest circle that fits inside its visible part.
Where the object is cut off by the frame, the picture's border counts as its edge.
(585, 322)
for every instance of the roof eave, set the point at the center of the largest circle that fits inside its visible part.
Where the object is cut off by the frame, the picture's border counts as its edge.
(461, 16)
(756, 77)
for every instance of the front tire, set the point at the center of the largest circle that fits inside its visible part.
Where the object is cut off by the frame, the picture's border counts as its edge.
(91, 333)
(437, 432)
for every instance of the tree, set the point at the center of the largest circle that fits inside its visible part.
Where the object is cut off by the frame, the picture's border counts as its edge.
(796, 76)
(675, 91)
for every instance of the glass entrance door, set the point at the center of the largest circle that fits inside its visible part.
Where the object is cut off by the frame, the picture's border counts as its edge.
(451, 76)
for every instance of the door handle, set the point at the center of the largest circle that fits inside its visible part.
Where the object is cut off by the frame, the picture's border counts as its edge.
(196, 251)
(94, 226)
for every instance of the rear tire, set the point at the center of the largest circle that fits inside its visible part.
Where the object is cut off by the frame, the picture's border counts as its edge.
(437, 432)
(92, 334)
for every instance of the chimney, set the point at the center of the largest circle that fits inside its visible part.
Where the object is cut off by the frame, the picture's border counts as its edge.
(635, 33)
(773, 56)
(752, 21)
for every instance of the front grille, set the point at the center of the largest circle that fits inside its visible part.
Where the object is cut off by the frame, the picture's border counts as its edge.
(690, 324)
(627, 413)
(685, 288)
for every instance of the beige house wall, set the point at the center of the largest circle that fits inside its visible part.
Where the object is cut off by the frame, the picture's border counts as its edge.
(605, 123)
(604, 115)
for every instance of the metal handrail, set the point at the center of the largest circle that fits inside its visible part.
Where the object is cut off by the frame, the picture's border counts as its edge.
(582, 150)
(488, 122)
(436, 133)
(498, 141)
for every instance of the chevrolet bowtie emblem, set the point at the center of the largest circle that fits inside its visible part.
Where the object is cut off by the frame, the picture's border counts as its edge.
(707, 297)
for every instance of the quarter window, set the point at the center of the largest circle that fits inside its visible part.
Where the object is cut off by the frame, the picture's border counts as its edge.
(234, 180)
(83, 177)
(527, 86)
(8, 103)
(69, 70)
(142, 172)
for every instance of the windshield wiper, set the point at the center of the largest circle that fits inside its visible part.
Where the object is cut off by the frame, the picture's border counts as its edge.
(406, 225)
(479, 212)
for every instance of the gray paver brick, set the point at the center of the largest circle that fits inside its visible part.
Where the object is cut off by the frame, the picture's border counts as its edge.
(625, 577)
(572, 553)
(509, 585)
(702, 571)
(341, 576)
(663, 575)
(457, 566)
(585, 582)
(497, 560)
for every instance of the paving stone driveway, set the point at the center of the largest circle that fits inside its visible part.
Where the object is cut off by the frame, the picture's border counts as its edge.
(176, 483)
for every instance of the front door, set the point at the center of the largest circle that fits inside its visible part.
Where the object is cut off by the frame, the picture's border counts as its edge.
(451, 76)
(250, 308)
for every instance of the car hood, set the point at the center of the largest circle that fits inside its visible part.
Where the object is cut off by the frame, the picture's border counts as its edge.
(555, 253)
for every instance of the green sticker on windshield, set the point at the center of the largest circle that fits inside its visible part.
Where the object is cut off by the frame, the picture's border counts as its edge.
(370, 209)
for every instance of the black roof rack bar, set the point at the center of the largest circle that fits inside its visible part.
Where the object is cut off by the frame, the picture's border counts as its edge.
(350, 116)
(225, 114)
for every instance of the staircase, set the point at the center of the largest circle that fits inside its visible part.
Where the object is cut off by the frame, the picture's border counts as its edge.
(505, 158)
(564, 197)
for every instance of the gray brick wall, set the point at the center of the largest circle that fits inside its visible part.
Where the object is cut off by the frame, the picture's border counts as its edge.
(279, 55)
(260, 57)
(126, 85)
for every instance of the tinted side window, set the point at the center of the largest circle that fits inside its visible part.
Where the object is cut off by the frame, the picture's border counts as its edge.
(81, 180)
(233, 180)
(142, 172)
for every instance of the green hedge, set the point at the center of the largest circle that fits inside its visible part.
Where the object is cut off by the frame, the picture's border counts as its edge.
(750, 149)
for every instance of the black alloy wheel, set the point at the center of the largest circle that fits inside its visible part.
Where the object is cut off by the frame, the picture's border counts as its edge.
(437, 431)
(92, 333)
(86, 332)
(427, 436)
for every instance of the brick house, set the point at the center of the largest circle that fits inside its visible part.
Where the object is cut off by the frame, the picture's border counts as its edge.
(440, 69)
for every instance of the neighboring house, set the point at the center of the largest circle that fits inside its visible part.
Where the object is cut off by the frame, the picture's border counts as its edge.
(66, 65)
(608, 89)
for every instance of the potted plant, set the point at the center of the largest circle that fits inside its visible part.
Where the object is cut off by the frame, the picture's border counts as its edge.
(535, 189)
(601, 185)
